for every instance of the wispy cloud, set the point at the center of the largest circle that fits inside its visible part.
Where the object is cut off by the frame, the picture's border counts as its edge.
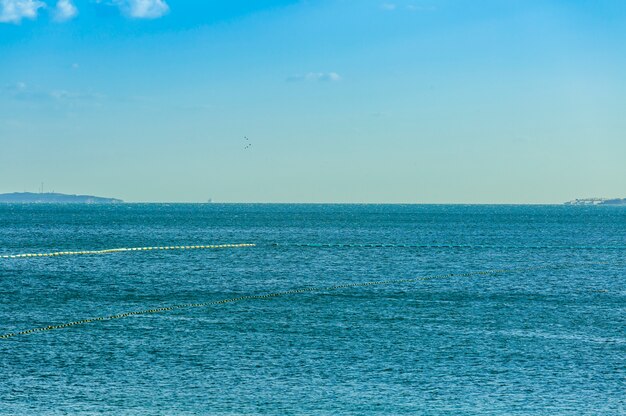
(14, 11)
(65, 10)
(143, 9)
(408, 7)
(414, 8)
(15, 88)
(71, 95)
(21, 91)
(316, 76)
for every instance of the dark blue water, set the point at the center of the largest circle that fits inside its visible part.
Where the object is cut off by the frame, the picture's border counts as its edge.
(541, 342)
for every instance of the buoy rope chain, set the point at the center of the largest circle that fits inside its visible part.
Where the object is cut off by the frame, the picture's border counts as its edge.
(123, 250)
(311, 245)
(488, 246)
(284, 293)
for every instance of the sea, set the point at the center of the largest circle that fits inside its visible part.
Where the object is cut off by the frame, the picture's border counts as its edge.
(541, 332)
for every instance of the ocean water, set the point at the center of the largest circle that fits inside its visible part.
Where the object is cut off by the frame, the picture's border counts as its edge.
(548, 338)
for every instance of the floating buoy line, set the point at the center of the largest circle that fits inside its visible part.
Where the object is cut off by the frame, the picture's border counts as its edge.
(279, 294)
(311, 245)
(473, 246)
(122, 250)
(288, 292)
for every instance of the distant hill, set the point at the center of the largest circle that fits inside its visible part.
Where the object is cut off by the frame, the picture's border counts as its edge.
(33, 198)
(597, 201)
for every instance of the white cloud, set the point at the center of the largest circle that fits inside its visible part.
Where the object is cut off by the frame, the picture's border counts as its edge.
(65, 10)
(316, 76)
(143, 9)
(14, 11)
(388, 6)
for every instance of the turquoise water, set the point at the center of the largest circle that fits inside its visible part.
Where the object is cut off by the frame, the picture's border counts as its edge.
(545, 341)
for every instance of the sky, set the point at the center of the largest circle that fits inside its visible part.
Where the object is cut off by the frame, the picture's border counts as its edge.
(357, 101)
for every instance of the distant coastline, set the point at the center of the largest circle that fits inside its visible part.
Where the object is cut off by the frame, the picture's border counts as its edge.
(54, 198)
(597, 201)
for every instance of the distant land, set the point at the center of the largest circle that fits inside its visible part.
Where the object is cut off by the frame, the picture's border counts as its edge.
(48, 197)
(597, 201)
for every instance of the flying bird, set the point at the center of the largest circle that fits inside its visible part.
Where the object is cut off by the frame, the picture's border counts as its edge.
(247, 143)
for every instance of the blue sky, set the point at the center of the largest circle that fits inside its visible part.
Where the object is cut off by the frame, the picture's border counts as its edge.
(342, 101)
